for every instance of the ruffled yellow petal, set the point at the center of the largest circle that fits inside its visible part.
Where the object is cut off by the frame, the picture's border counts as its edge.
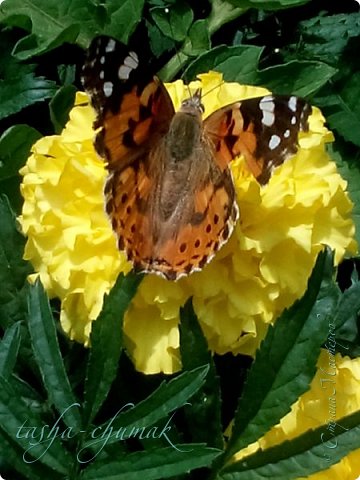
(263, 268)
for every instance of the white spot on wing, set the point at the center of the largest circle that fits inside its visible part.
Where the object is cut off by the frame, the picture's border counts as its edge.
(110, 47)
(102, 74)
(134, 56)
(108, 89)
(124, 72)
(267, 104)
(102, 59)
(274, 142)
(292, 103)
(287, 133)
(268, 118)
(293, 120)
(130, 62)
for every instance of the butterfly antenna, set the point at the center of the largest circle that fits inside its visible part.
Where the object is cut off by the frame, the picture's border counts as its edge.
(167, 11)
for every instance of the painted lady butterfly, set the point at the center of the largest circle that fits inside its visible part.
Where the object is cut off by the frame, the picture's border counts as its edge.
(169, 192)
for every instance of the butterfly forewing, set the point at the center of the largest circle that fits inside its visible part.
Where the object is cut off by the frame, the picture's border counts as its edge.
(265, 130)
(133, 107)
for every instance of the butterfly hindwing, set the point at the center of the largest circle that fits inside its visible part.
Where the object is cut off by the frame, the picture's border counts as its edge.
(265, 130)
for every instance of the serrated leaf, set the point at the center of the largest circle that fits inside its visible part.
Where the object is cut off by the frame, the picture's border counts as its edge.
(268, 5)
(326, 37)
(347, 163)
(298, 78)
(15, 144)
(122, 18)
(153, 465)
(51, 23)
(346, 117)
(175, 22)
(60, 106)
(13, 269)
(28, 46)
(159, 43)
(106, 342)
(238, 63)
(16, 420)
(13, 456)
(24, 91)
(47, 353)
(9, 348)
(286, 361)
(347, 314)
(66, 74)
(199, 39)
(32, 399)
(314, 451)
(203, 417)
(166, 398)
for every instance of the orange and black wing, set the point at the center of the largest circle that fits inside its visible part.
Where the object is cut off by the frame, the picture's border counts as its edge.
(134, 111)
(265, 130)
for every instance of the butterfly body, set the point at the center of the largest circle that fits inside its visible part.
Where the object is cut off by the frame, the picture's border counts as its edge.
(170, 193)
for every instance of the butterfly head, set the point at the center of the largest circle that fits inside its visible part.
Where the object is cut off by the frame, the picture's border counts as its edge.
(193, 105)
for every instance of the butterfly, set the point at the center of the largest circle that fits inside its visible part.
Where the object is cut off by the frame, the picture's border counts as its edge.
(169, 191)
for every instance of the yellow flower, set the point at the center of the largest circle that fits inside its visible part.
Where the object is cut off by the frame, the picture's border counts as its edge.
(334, 393)
(263, 269)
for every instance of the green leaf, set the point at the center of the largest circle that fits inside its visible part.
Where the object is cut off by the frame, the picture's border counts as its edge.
(13, 269)
(203, 417)
(325, 38)
(51, 23)
(346, 335)
(46, 350)
(175, 23)
(15, 144)
(9, 348)
(268, 5)
(60, 106)
(28, 46)
(66, 74)
(286, 361)
(240, 64)
(199, 38)
(297, 78)
(159, 43)
(19, 423)
(13, 456)
(106, 342)
(122, 18)
(153, 465)
(23, 91)
(33, 399)
(237, 63)
(314, 451)
(345, 114)
(347, 162)
(165, 399)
